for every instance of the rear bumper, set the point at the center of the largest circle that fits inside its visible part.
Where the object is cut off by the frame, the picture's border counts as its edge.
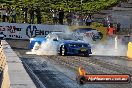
(79, 52)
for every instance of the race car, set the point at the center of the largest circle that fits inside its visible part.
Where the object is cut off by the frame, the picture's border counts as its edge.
(90, 33)
(66, 43)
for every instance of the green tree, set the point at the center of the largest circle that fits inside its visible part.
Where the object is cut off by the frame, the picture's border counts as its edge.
(36, 9)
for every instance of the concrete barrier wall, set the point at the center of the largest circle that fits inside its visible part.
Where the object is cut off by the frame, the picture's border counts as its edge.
(5, 82)
(14, 74)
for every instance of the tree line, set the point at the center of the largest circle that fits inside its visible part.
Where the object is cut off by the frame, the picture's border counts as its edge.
(37, 11)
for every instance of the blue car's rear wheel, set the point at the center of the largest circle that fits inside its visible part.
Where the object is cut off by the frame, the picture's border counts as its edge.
(63, 50)
(86, 54)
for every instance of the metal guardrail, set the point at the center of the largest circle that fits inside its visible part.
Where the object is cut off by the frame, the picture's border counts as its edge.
(126, 30)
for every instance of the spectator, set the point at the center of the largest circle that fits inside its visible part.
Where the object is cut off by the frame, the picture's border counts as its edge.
(88, 21)
(118, 27)
(90, 16)
(109, 20)
(7, 14)
(3, 14)
(111, 30)
(61, 16)
(13, 15)
(69, 18)
(31, 12)
(81, 20)
(55, 17)
(25, 10)
(74, 18)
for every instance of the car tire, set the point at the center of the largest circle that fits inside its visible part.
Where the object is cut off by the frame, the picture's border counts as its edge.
(93, 38)
(101, 35)
(63, 50)
(86, 54)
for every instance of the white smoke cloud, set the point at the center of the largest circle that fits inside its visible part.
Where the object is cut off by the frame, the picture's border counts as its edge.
(111, 47)
(46, 48)
(35, 48)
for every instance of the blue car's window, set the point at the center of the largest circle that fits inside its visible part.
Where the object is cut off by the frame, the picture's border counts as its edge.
(85, 45)
(39, 42)
(82, 45)
(78, 45)
(72, 45)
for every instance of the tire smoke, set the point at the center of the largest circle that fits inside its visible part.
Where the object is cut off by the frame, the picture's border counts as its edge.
(111, 47)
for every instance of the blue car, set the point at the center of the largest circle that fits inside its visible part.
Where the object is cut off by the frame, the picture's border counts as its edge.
(75, 48)
(39, 40)
(66, 44)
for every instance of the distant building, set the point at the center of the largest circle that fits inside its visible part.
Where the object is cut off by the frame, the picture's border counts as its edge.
(123, 14)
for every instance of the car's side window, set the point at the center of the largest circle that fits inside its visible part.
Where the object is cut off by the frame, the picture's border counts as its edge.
(55, 39)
